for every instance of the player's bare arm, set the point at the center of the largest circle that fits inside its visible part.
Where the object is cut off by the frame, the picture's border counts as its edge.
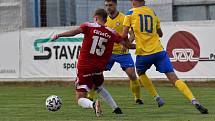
(125, 31)
(160, 33)
(68, 33)
(125, 44)
(71, 32)
(131, 40)
(132, 36)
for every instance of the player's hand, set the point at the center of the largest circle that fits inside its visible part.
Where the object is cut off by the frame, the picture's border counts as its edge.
(55, 37)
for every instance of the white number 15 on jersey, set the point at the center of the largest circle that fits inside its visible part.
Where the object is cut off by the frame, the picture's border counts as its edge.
(98, 41)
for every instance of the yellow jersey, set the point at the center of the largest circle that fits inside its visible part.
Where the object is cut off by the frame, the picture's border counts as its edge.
(116, 24)
(144, 23)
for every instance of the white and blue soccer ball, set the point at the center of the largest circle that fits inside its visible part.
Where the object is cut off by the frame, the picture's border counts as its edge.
(53, 103)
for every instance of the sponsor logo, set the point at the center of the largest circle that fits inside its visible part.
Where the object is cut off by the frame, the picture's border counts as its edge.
(184, 51)
(55, 50)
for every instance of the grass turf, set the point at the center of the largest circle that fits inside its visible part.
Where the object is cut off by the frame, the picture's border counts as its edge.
(27, 103)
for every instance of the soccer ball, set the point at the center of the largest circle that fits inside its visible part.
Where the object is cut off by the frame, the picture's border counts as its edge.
(53, 103)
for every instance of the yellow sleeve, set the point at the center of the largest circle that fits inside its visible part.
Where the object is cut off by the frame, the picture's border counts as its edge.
(127, 19)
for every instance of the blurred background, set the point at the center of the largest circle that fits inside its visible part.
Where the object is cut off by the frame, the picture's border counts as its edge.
(51, 13)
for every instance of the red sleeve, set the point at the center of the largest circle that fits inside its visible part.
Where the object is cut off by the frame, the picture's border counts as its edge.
(84, 27)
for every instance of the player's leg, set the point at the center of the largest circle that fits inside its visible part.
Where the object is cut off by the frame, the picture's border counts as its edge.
(180, 85)
(92, 93)
(83, 101)
(134, 84)
(86, 103)
(186, 91)
(105, 94)
(147, 83)
(143, 63)
(127, 64)
(165, 66)
(83, 85)
(108, 99)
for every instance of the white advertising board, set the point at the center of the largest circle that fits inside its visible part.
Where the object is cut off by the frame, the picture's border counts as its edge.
(42, 58)
(190, 48)
(9, 51)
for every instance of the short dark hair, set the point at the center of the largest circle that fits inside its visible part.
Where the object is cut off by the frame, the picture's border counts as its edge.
(115, 1)
(101, 13)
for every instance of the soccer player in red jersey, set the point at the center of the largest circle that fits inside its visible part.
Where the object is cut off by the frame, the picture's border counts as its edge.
(96, 50)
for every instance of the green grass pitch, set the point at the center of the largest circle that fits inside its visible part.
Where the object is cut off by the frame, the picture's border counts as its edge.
(27, 103)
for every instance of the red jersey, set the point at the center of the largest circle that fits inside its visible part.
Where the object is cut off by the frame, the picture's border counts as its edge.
(97, 47)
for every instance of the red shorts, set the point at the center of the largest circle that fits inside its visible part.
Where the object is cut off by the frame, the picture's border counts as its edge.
(87, 81)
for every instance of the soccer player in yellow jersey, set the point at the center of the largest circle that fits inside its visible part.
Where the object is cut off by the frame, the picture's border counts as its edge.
(115, 21)
(149, 51)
